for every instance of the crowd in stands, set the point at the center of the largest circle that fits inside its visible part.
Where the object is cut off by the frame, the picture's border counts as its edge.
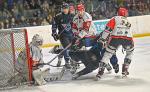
(22, 13)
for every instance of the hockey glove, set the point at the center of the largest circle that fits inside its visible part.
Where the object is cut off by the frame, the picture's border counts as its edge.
(76, 40)
(102, 42)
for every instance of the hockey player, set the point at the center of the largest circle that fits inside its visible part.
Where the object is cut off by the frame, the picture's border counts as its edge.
(118, 28)
(83, 26)
(36, 57)
(62, 22)
(91, 59)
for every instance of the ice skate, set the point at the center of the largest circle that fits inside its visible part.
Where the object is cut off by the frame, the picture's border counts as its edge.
(116, 68)
(125, 70)
(109, 69)
(101, 71)
(75, 76)
(67, 66)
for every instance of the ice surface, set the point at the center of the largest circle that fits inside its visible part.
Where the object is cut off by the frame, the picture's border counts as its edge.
(137, 81)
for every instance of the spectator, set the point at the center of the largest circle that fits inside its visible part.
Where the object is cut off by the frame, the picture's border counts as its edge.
(38, 21)
(51, 7)
(103, 8)
(146, 10)
(33, 22)
(89, 6)
(20, 6)
(44, 22)
(26, 5)
(49, 18)
(13, 23)
(45, 6)
(34, 5)
(1, 5)
(15, 11)
(101, 17)
(23, 22)
(10, 4)
(1, 25)
(6, 24)
(133, 11)
(21, 13)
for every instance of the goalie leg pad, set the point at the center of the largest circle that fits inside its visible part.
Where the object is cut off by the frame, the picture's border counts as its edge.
(38, 77)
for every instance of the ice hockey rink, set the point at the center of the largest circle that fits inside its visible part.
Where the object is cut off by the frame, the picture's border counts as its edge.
(137, 81)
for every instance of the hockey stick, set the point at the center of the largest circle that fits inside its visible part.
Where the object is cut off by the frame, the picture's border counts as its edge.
(62, 31)
(62, 51)
(59, 53)
(48, 63)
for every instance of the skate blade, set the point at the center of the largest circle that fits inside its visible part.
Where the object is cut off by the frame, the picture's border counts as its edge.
(74, 78)
(97, 78)
(118, 76)
(124, 76)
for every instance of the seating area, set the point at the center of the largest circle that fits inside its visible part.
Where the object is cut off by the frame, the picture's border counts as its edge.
(23, 13)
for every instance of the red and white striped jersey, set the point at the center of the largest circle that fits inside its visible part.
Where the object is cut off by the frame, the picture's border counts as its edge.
(83, 26)
(118, 27)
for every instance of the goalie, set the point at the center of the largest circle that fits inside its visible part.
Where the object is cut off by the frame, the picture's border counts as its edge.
(36, 57)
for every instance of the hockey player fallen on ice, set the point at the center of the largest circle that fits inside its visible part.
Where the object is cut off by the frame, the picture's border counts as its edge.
(83, 26)
(36, 57)
(118, 28)
(90, 58)
(62, 22)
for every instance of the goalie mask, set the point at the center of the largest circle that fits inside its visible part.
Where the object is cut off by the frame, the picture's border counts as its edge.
(37, 40)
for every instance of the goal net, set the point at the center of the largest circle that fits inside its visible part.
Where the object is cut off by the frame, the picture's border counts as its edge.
(14, 72)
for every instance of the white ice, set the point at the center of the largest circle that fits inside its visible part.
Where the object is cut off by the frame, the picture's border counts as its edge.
(137, 81)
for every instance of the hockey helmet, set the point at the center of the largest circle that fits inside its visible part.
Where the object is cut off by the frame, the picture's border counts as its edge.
(37, 40)
(65, 6)
(123, 12)
(80, 7)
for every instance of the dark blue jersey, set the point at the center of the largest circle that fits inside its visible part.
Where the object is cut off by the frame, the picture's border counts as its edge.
(62, 22)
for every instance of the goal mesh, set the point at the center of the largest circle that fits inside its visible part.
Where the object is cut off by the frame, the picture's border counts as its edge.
(12, 71)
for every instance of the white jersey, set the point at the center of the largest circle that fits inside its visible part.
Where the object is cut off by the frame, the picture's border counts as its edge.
(81, 26)
(117, 27)
(35, 54)
(122, 27)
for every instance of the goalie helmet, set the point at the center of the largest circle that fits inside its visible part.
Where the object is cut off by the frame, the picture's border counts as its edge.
(123, 12)
(37, 40)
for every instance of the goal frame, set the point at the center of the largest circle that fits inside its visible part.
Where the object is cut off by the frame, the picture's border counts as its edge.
(11, 32)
